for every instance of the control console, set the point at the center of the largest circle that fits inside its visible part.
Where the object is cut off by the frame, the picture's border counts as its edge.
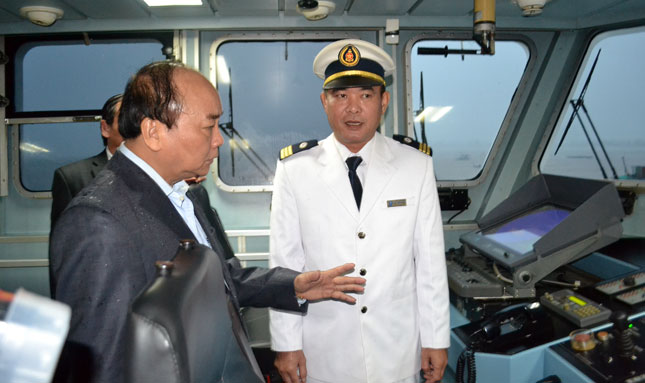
(579, 310)
(629, 289)
(614, 355)
(469, 277)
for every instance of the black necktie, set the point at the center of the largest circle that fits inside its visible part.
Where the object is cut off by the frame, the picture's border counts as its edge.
(352, 164)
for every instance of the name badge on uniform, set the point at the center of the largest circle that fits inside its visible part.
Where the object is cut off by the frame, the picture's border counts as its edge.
(396, 203)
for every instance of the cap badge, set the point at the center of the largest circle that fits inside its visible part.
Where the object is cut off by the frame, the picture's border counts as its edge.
(302, 145)
(349, 55)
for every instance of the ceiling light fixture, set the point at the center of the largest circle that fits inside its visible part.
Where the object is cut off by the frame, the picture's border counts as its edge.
(39, 15)
(315, 10)
(531, 7)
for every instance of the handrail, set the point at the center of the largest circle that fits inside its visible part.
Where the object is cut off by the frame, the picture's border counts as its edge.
(241, 236)
(241, 253)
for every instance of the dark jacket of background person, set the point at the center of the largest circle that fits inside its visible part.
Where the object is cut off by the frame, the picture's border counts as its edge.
(71, 179)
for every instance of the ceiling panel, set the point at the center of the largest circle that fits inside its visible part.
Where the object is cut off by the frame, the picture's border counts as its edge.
(557, 13)
(245, 7)
(575, 9)
(178, 12)
(507, 8)
(13, 7)
(443, 8)
(380, 7)
(569, 11)
(7, 16)
(113, 9)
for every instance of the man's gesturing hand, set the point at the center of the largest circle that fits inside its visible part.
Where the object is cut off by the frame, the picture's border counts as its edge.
(315, 285)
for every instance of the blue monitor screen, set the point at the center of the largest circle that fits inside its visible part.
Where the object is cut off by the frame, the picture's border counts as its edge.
(520, 234)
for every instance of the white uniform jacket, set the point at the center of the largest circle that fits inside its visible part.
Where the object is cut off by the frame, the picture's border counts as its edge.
(396, 241)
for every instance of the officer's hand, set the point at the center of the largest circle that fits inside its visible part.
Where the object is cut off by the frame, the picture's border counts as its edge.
(314, 285)
(433, 363)
(292, 366)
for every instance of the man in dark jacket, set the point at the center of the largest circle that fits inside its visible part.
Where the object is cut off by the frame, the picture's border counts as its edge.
(104, 247)
(71, 178)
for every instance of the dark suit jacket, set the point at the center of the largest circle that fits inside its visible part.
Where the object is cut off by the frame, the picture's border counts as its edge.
(103, 250)
(199, 194)
(71, 179)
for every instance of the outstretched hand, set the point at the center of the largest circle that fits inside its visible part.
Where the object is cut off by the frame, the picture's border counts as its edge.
(315, 285)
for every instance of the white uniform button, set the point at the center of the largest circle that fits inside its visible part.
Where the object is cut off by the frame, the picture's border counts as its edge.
(361, 235)
(364, 309)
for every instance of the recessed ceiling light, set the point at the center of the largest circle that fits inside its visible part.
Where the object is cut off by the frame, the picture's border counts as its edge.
(170, 3)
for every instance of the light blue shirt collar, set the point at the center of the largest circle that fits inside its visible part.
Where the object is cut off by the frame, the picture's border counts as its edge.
(167, 189)
(176, 194)
(108, 154)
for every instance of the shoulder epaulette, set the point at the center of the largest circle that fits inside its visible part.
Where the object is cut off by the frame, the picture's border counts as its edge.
(295, 148)
(425, 148)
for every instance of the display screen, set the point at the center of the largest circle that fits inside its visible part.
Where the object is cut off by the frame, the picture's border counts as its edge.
(522, 232)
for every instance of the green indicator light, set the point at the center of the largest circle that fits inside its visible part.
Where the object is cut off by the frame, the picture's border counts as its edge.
(631, 325)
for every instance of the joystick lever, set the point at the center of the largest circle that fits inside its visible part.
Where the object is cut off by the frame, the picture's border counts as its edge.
(622, 327)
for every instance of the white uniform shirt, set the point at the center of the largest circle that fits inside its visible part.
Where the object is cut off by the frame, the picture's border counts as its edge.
(396, 242)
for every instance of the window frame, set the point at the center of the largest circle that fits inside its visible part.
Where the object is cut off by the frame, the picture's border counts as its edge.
(567, 93)
(508, 120)
(14, 120)
(277, 37)
(14, 43)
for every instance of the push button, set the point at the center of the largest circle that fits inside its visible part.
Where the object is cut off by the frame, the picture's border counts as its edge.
(603, 336)
(364, 309)
(164, 268)
(361, 235)
(363, 272)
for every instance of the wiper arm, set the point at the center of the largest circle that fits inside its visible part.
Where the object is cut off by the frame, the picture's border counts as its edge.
(584, 129)
(602, 146)
(578, 103)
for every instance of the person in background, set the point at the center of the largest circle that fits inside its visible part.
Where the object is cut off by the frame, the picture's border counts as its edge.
(361, 197)
(105, 245)
(72, 178)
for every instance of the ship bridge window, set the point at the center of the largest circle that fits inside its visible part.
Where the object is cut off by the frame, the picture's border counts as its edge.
(600, 133)
(57, 88)
(459, 100)
(270, 100)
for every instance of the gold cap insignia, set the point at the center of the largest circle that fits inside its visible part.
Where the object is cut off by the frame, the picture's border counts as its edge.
(302, 145)
(349, 55)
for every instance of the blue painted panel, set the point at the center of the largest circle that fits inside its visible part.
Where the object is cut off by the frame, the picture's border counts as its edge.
(34, 279)
(603, 266)
(554, 364)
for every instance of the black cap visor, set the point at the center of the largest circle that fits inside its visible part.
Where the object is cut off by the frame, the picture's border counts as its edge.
(351, 82)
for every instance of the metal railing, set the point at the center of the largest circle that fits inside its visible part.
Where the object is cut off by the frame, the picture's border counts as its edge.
(240, 236)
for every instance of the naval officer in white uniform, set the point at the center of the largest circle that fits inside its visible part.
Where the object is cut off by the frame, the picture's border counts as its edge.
(360, 197)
